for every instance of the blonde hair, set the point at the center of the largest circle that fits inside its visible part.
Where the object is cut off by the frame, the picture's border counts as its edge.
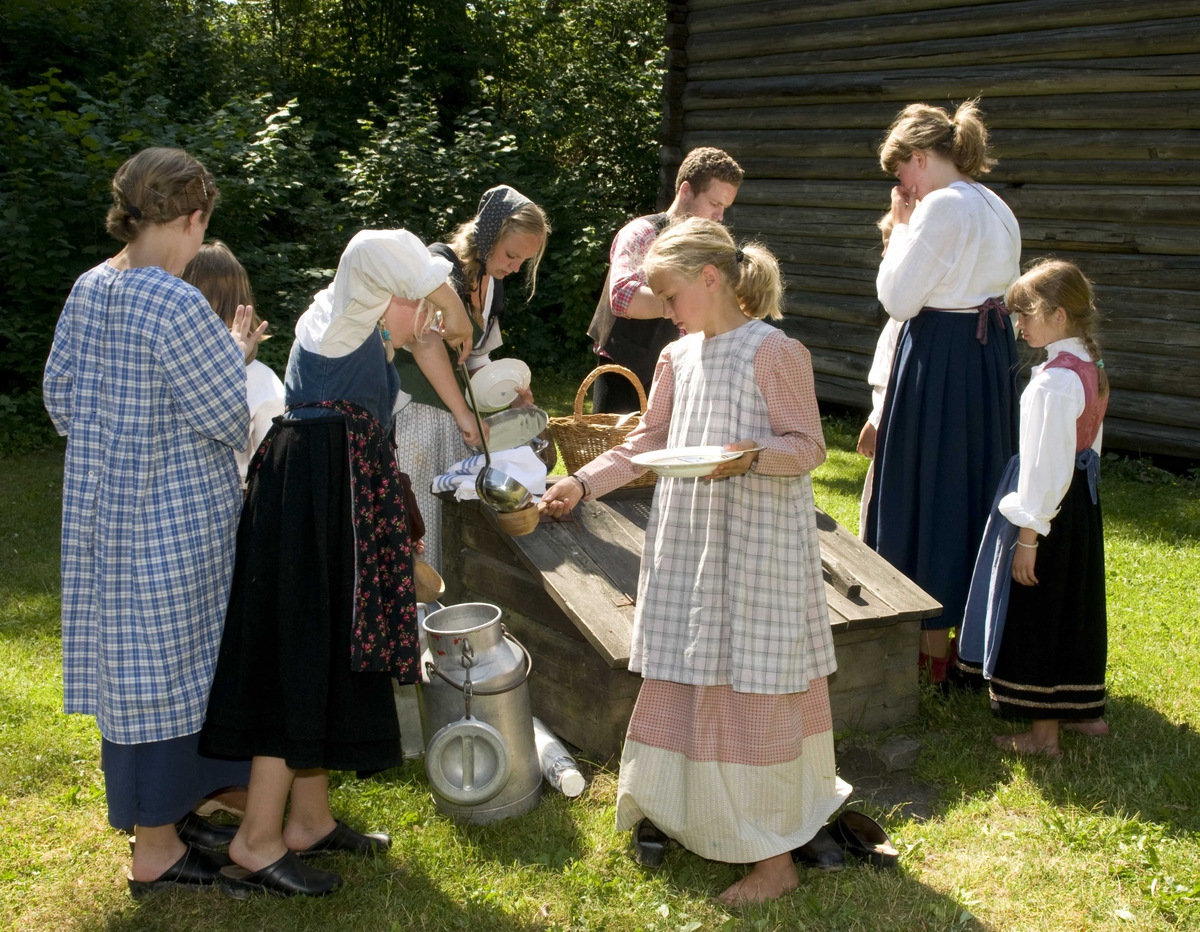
(1050, 284)
(528, 218)
(217, 274)
(962, 138)
(156, 186)
(685, 248)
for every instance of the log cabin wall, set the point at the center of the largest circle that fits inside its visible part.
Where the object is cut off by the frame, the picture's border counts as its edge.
(1094, 112)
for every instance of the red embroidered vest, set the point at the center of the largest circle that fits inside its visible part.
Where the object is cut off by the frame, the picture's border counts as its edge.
(1088, 423)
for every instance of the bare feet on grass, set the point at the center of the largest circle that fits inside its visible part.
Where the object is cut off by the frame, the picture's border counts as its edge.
(768, 880)
(1028, 743)
(1096, 728)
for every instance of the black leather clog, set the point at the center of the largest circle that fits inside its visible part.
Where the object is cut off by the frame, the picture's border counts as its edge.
(344, 838)
(822, 852)
(202, 834)
(863, 837)
(649, 844)
(194, 870)
(289, 876)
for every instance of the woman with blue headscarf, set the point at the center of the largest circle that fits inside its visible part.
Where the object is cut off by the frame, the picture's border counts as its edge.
(433, 428)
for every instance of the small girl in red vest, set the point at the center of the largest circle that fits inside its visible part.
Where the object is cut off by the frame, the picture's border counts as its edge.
(1044, 651)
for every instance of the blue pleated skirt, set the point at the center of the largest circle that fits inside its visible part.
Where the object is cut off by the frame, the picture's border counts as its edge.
(949, 427)
(156, 783)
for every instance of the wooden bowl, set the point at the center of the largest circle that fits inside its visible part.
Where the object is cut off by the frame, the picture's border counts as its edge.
(519, 523)
(430, 585)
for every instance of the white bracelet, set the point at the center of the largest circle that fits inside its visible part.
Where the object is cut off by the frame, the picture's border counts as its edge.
(1027, 546)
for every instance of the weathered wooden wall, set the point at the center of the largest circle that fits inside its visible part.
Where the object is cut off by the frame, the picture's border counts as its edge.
(1094, 107)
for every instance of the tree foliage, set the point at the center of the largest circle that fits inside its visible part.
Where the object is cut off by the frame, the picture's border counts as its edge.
(319, 118)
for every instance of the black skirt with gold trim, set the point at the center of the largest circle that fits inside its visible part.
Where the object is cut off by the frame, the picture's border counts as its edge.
(1055, 643)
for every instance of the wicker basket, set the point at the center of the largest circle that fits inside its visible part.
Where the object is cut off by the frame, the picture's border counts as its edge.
(583, 437)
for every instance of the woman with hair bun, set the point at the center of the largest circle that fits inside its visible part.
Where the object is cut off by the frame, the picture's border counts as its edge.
(949, 421)
(730, 747)
(149, 387)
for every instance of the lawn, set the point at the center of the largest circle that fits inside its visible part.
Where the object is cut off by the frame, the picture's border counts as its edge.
(1104, 838)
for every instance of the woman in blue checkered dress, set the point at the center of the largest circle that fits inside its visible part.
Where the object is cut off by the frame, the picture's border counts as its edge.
(150, 390)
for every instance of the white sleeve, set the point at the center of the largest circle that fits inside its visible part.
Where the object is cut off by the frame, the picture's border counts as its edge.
(397, 263)
(881, 368)
(1049, 409)
(919, 255)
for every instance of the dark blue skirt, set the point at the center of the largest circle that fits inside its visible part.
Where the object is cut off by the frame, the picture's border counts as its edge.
(949, 427)
(156, 783)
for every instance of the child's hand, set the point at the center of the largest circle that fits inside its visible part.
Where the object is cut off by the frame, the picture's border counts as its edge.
(737, 467)
(563, 496)
(866, 441)
(1022, 567)
(243, 336)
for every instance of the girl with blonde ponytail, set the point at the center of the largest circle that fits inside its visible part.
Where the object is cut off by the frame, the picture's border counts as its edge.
(731, 623)
(1043, 642)
(948, 421)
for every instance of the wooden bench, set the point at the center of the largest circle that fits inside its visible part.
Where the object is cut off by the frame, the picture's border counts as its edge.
(568, 592)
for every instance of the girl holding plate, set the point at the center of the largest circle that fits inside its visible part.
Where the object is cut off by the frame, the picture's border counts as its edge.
(433, 428)
(730, 747)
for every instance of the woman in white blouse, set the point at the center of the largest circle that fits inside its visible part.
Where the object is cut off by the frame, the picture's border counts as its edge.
(949, 420)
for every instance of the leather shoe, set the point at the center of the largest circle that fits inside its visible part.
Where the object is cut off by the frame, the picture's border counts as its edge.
(863, 837)
(195, 869)
(193, 830)
(821, 852)
(344, 838)
(289, 876)
(649, 844)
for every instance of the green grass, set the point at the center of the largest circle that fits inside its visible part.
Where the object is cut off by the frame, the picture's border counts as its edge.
(1103, 839)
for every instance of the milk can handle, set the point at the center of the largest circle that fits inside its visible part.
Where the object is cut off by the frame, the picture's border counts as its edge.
(432, 669)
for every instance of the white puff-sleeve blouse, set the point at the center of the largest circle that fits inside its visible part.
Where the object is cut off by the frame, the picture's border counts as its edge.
(961, 246)
(375, 265)
(1050, 406)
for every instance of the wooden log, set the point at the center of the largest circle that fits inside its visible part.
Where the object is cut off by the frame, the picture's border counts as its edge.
(514, 586)
(846, 365)
(1006, 144)
(830, 280)
(1157, 110)
(1174, 36)
(721, 15)
(853, 393)
(851, 310)
(1156, 73)
(1017, 171)
(840, 576)
(812, 221)
(1139, 437)
(1084, 236)
(832, 334)
(998, 19)
(1154, 408)
(1143, 372)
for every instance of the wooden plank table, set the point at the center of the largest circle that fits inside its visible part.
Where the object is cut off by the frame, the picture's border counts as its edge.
(569, 591)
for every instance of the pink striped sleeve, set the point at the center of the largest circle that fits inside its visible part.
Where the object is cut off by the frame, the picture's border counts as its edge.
(613, 469)
(783, 371)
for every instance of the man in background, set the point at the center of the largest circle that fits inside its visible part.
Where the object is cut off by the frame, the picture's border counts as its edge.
(628, 327)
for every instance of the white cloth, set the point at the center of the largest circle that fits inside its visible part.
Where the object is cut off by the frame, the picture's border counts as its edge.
(520, 463)
(881, 368)
(264, 397)
(1050, 406)
(375, 265)
(961, 247)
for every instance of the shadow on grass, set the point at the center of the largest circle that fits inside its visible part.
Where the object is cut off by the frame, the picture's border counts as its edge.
(1147, 770)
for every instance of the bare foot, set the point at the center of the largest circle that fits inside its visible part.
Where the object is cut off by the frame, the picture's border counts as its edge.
(768, 880)
(1025, 743)
(1096, 728)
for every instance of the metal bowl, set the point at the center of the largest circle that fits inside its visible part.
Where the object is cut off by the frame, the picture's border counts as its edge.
(501, 491)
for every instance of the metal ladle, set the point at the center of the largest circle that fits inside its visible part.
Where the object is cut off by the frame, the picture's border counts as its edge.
(496, 488)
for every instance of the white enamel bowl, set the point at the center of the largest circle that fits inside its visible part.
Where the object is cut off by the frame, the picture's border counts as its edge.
(496, 384)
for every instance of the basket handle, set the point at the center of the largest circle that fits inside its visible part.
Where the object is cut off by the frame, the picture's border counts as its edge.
(601, 370)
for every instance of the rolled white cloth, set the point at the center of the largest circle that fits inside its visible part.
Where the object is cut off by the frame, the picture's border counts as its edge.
(520, 463)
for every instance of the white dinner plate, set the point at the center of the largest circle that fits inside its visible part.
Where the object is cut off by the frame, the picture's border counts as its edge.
(495, 385)
(687, 462)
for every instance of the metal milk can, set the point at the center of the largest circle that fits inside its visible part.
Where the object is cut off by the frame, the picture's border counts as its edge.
(476, 718)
